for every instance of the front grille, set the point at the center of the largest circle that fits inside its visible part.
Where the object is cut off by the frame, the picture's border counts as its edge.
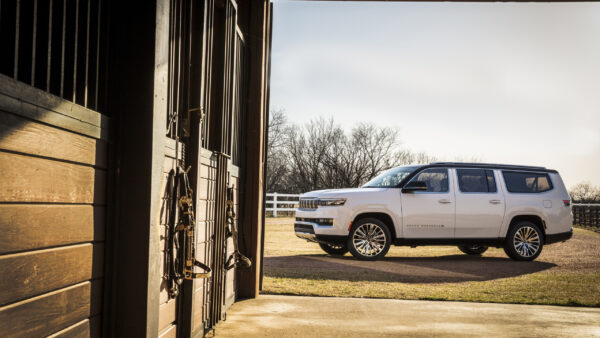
(306, 228)
(319, 221)
(308, 203)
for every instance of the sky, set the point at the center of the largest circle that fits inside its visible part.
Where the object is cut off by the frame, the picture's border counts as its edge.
(515, 83)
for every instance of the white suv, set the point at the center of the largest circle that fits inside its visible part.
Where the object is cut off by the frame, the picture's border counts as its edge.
(471, 205)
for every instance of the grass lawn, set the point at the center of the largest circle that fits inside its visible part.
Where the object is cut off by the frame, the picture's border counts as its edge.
(564, 274)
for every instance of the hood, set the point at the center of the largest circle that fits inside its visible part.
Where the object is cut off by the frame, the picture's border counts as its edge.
(347, 192)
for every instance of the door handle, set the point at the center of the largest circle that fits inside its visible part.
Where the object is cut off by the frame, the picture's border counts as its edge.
(495, 201)
(445, 201)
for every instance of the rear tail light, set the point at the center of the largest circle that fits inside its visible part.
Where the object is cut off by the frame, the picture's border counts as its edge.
(567, 203)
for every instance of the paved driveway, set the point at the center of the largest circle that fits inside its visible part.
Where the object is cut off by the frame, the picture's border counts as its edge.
(292, 316)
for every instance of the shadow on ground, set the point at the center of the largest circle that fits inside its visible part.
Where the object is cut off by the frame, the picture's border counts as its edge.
(442, 269)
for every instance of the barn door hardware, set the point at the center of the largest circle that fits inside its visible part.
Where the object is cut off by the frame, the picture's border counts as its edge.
(181, 256)
(236, 259)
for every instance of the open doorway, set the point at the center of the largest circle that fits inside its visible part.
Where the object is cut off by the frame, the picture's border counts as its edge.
(415, 83)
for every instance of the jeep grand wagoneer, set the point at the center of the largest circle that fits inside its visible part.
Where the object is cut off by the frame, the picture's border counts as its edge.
(471, 205)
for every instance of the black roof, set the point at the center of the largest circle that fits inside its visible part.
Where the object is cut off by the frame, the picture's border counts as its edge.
(490, 166)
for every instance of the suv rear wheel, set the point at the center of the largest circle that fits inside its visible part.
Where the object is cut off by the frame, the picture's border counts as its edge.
(474, 249)
(369, 239)
(334, 249)
(524, 241)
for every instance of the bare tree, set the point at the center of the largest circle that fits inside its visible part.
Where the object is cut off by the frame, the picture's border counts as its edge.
(585, 192)
(308, 149)
(357, 158)
(277, 164)
(320, 155)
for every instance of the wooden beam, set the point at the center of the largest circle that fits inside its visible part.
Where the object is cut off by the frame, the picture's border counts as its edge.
(257, 42)
(138, 99)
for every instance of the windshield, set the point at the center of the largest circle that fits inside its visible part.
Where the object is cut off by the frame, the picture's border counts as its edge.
(391, 178)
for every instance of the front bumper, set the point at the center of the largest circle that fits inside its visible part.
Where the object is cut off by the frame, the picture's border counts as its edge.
(323, 220)
(308, 234)
(323, 225)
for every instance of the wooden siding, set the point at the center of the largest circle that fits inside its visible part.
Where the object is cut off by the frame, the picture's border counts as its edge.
(53, 168)
(33, 179)
(49, 225)
(51, 312)
(19, 98)
(87, 328)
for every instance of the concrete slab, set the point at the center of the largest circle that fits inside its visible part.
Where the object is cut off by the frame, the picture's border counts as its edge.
(289, 316)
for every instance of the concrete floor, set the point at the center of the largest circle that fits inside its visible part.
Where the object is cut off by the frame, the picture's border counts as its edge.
(279, 316)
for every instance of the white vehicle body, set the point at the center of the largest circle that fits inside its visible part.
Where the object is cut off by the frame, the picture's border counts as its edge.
(452, 213)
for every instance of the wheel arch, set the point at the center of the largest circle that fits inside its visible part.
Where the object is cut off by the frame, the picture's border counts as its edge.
(382, 216)
(535, 219)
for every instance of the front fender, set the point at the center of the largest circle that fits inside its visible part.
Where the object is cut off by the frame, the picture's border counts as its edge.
(382, 209)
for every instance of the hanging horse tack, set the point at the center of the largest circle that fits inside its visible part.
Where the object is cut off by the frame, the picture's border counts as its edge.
(236, 259)
(187, 224)
(181, 251)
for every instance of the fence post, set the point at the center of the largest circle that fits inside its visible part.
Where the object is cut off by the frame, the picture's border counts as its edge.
(274, 204)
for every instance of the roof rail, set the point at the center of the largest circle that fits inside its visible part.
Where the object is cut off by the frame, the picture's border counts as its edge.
(494, 165)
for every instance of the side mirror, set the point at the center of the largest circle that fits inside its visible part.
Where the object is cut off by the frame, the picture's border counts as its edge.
(413, 186)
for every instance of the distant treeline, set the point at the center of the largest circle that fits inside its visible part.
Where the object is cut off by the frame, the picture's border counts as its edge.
(321, 155)
(585, 192)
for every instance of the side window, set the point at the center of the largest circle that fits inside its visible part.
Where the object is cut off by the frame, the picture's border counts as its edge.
(476, 180)
(525, 182)
(435, 178)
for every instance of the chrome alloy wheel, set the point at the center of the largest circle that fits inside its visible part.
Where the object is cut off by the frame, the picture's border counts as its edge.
(526, 241)
(369, 239)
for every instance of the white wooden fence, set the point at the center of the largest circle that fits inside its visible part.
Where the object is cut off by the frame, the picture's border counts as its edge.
(281, 202)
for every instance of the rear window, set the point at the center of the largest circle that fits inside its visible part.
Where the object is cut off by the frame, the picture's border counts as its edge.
(524, 182)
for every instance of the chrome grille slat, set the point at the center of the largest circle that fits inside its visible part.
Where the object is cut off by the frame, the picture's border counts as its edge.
(308, 203)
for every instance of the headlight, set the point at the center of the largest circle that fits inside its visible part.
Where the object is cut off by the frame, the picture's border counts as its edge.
(329, 202)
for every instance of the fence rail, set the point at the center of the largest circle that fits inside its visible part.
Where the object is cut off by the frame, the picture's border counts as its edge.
(586, 214)
(282, 202)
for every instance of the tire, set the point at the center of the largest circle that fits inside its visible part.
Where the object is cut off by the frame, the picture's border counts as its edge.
(475, 249)
(524, 241)
(334, 249)
(369, 239)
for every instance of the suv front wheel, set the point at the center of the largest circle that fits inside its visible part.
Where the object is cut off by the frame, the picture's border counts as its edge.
(524, 241)
(369, 239)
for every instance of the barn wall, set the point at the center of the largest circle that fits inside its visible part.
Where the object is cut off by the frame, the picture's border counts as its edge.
(53, 168)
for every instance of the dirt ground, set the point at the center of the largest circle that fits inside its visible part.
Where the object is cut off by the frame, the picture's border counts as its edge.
(565, 273)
